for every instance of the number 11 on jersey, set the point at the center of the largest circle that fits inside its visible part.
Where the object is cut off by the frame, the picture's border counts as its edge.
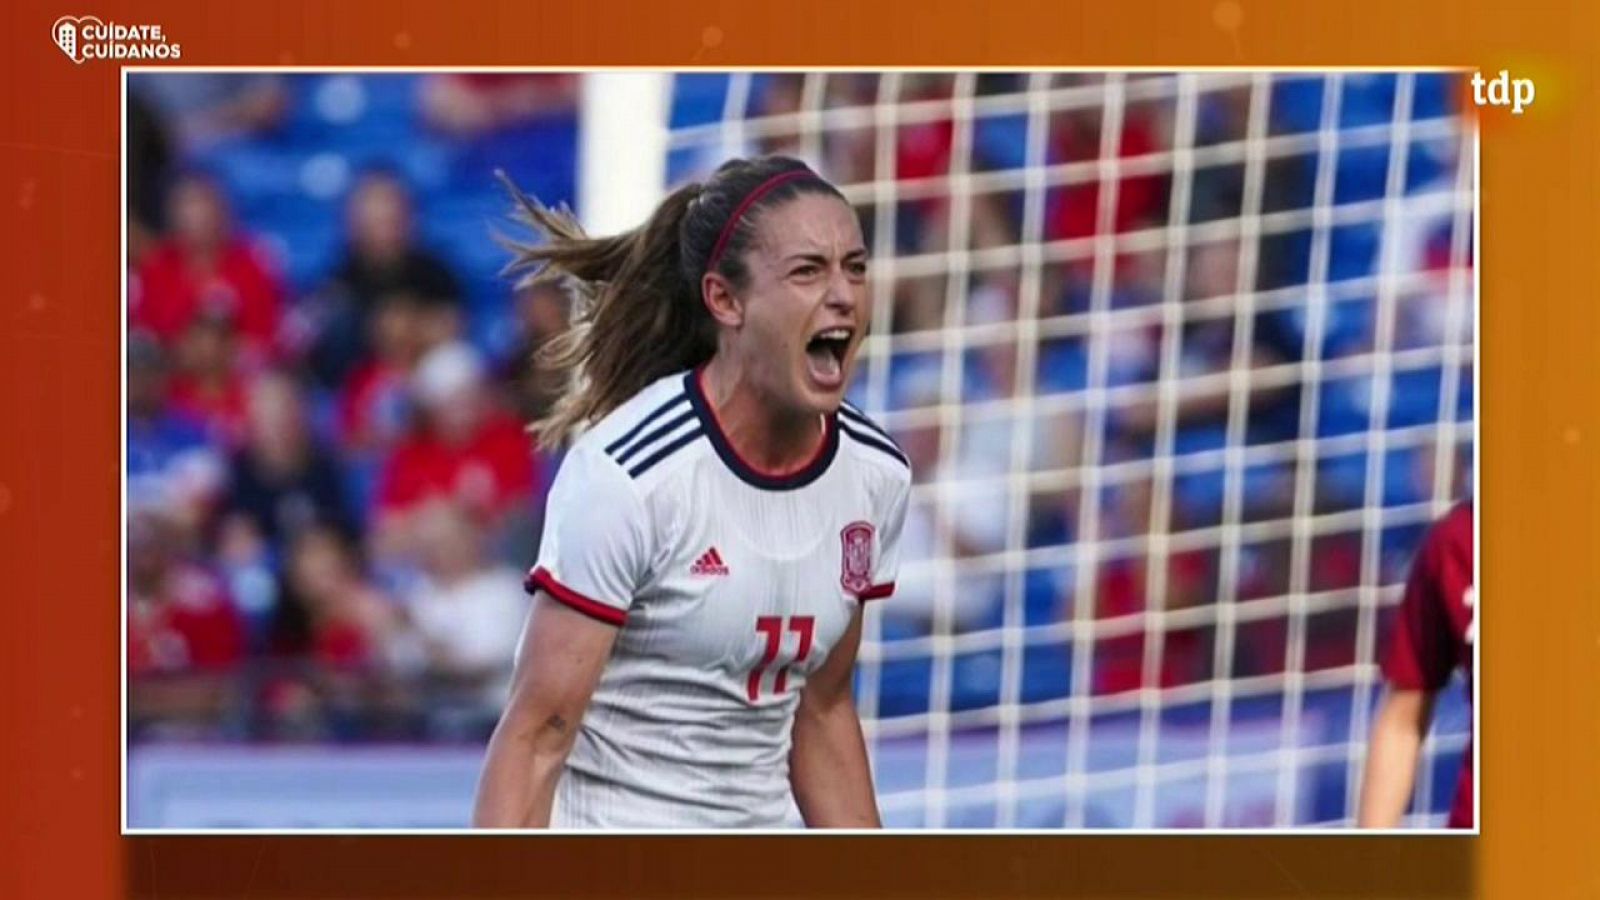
(772, 628)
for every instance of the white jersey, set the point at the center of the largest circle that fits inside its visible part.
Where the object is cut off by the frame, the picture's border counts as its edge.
(729, 586)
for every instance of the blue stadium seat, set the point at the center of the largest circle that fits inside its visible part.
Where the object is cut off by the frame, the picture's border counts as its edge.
(311, 244)
(1342, 480)
(1046, 671)
(1400, 484)
(1433, 94)
(1414, 396)
(255, 174)
(1199, 439)
(1296, 104)
(1045, 593)
(1001, 142)
(1343, 405)
(698, 99)
(1425, 163)
(1199, 497)
(493, 328)
(1367, 99)
(975, 680)
(903, 687)
(1063, 366)
(1465, 402)
(1361, 174)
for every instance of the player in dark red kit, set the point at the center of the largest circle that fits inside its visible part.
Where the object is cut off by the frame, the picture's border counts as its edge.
(1433, 634)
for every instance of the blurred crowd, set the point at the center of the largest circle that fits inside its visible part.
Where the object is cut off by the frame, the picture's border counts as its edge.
(332, 497)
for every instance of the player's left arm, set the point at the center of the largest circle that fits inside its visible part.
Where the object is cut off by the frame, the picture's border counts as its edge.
(828, 761)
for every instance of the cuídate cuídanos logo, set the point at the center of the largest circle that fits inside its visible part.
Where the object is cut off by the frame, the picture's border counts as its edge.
(86, 37)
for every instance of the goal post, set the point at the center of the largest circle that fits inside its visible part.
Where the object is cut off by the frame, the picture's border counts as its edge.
(622, 158)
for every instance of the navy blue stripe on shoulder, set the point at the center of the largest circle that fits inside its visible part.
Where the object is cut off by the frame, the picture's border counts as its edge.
(644, 423)
(653, 436)
(870, 440)
(665, 451)
(857, 417)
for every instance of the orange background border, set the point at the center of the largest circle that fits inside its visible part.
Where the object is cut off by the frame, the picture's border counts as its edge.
(60, 456)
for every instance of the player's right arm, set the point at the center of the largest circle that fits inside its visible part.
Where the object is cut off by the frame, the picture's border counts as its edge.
(593, 556)
(563, 653)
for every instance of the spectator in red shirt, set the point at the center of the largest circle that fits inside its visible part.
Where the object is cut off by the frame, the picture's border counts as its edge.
(923, 147)
(206, 267)
(158, 433)
(1121, 591)
(209, 386)
(1074, 210)
(329, 612)
(1432, 638)
(373, 401)
(180, 617)
(464, 446)
(923, 152)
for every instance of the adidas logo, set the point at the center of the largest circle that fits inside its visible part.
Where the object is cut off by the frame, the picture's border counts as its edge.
(709, 563)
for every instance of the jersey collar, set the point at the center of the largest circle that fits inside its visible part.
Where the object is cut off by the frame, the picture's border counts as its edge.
(746, 471)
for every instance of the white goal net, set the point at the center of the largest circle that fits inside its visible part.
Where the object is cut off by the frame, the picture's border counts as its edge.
(1184, 365)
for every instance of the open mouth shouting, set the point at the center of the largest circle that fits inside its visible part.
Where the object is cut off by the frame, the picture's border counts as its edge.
(825, 356)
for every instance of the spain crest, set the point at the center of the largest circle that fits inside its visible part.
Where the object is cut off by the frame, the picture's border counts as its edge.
(855, 567)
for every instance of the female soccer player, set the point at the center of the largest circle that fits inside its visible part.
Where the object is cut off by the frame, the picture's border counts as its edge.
(1433, 636)
(715, 528)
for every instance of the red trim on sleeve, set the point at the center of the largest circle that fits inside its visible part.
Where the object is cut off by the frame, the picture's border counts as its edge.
(876, 592)
(541, 579)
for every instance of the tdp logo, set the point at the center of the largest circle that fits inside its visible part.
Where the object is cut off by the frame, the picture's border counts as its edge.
(86, 37)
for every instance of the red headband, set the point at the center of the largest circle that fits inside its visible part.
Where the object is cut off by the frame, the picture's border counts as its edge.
(744, 207)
